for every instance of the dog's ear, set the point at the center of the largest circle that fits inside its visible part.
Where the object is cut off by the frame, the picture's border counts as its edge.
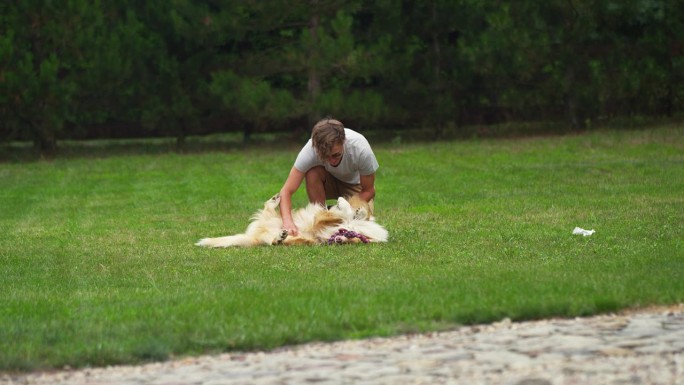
(343, 204)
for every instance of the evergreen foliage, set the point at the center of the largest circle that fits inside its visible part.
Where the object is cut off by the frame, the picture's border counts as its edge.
(76, 68)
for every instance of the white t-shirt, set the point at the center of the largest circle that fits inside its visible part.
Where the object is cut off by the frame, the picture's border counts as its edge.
(358, 159)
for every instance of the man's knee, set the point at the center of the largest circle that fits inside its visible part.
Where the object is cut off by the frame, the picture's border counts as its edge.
(316, 175)
(315, 184)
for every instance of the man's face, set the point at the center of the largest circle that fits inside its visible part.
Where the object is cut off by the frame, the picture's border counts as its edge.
(335, 156)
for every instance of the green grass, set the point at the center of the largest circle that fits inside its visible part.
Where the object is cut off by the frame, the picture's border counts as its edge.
(98, 267)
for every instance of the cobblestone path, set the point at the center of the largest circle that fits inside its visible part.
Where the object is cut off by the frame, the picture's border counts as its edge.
(641, 347)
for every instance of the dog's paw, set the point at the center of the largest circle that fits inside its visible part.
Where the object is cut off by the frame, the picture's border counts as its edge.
(281, 238)
(361, 213)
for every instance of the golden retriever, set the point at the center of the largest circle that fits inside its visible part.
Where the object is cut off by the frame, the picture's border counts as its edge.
(349, 221)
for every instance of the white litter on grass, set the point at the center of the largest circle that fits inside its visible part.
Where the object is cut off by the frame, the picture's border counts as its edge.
(582, 231)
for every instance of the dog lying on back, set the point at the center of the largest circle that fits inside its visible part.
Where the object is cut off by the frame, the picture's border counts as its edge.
(349, 221)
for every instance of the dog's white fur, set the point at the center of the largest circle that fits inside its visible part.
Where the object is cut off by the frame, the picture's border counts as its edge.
(316, 225)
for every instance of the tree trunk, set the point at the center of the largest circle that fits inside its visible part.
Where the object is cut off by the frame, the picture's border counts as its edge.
(44, 142)
(181, 135)
(314, 81)
(670, 98)
(571, 99)
(439, 89)
(247, 133)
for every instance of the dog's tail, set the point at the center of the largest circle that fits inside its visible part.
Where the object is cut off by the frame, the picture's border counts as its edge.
(233, 240)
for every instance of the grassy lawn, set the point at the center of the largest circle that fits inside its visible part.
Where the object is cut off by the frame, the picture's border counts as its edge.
(98, 267)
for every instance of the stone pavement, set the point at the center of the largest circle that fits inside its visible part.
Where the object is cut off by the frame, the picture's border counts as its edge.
(640, 347)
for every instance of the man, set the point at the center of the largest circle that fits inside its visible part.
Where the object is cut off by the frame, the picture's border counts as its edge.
(335, 162)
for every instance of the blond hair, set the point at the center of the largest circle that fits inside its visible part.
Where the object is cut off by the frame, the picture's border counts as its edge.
(325, 134)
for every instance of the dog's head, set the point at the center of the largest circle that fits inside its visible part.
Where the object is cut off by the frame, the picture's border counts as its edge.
(272, 203)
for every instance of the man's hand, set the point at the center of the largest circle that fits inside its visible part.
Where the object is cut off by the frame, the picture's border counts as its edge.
(294, 180)
(291, 228)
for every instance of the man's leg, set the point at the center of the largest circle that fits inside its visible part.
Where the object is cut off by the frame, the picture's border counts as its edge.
(315, 184)
(320, 186)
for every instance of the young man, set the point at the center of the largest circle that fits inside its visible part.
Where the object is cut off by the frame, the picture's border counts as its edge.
(335, 162)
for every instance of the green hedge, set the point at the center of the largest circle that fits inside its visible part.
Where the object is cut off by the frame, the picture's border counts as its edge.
(158, 68)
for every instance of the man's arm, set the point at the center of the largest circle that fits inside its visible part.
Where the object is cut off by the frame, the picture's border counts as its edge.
(367, 187)
(294, 180)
